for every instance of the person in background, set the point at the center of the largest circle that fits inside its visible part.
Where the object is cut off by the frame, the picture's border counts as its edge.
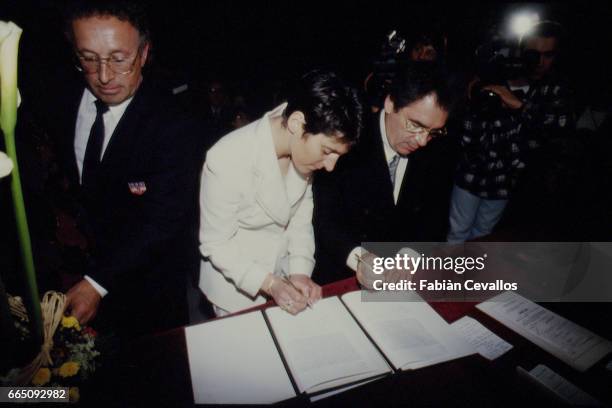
(419, 44)
(218, 111)
(497, 144)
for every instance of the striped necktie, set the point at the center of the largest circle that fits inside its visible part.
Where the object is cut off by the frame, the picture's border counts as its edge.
(393, 168)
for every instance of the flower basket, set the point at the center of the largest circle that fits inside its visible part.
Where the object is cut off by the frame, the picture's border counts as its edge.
(68, 355)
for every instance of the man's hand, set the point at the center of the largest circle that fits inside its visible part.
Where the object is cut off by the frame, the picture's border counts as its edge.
(396, 275)
(406, 272)
(83, 301)
(304, 284)
(365, 271)
(507, 97)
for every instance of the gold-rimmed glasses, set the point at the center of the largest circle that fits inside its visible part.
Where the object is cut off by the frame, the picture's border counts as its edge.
(411, 127)
(118, 65)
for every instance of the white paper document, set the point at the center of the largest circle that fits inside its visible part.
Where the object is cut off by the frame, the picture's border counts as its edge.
(325, 348)
(559, 386)
(487, 343)
(235, 361)
(575, 345)
(410, 333)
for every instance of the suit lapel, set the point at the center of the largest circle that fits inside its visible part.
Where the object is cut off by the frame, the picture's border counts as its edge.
(407, 175)
(69, 136)
(270, 192)
(376, 168)
(126, 132)
(416, 178)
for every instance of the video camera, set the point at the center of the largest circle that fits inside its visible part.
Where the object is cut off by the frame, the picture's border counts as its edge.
(497, 62)
(393, 50)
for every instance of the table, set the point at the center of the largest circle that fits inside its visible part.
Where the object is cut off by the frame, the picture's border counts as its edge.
(162, 370)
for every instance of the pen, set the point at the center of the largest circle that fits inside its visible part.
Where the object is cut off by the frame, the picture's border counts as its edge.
(360, 259)
(288, 281)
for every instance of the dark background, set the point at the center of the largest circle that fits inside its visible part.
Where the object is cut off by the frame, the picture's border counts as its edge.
(258, 42)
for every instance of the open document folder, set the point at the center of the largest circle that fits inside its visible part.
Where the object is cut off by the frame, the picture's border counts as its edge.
(410, 333)
(269, 356)
(325, 348)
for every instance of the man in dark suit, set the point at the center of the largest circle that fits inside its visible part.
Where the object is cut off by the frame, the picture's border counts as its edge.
(136, 163)
(394, 186)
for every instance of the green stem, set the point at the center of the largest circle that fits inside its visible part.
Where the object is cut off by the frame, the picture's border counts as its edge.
(25, 243)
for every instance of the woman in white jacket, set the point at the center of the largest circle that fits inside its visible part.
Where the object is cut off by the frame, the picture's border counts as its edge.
(256, 205)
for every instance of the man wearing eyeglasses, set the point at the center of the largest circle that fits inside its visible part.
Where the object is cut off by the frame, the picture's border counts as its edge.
(394, 186)
(135, 162)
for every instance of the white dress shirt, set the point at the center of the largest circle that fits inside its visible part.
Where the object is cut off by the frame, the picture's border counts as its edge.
(85, 119)
(351, 261)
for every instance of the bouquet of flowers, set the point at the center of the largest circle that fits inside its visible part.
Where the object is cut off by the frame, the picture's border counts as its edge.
(68, 356)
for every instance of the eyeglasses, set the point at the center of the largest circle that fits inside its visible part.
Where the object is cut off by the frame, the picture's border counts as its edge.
(411, 127)
(119, 66)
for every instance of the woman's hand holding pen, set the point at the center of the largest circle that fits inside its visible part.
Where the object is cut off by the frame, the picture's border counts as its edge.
(284, 294)
(304, 284)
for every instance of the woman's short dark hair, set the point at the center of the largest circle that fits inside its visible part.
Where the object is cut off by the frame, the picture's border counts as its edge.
(329, 105)
(414, 80)
(125, 10)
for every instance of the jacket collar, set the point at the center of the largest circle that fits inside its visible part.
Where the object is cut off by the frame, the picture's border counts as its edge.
(274, 193)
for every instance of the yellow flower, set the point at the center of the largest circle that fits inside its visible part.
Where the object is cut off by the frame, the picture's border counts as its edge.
(68, 369)
(41, 377)
(73, 394)
(70, 321)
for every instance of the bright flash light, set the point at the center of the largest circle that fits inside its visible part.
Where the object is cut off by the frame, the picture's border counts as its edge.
(522, 23)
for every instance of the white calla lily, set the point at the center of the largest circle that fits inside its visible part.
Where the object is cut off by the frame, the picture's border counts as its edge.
(6, 165)
(10, 33)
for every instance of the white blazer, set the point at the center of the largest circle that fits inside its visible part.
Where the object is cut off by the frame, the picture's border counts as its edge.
(254, 221)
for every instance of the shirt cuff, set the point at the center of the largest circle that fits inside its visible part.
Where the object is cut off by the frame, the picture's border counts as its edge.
(352, 261)
(103, 292)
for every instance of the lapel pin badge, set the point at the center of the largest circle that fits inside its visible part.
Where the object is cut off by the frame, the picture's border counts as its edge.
(137, 188)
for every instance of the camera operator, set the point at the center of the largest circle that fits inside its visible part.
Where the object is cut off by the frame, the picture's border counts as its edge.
(419, 44)
(507, 117)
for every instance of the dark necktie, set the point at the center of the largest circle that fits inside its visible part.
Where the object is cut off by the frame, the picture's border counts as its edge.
(93, 152)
